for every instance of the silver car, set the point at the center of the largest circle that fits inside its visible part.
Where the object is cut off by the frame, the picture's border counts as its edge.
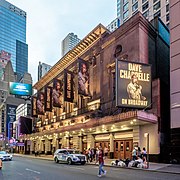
(5, 156)
(69, 156)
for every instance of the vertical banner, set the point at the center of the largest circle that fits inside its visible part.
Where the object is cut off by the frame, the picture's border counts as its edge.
(11, 117)
(83, 78)
(68, 86)
(40, 103)
(133, 84)
(57, 93)
(34, 106)
(48, 98)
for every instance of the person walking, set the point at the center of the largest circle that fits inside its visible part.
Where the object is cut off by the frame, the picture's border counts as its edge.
(101, 163)
(134, 154)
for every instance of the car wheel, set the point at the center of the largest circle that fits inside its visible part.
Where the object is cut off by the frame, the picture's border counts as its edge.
(10, 159)
(69, 161)
(83, 163)
(56, 160)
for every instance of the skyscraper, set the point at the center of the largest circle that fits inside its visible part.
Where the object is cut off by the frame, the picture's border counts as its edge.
(68, 43)
(149, 8)
(13, 36)
(43, 69)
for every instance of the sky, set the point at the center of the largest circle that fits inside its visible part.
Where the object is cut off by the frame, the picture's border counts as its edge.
(50, 21)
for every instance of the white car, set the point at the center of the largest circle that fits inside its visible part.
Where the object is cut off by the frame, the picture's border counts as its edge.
(69, 156)
(5, 156)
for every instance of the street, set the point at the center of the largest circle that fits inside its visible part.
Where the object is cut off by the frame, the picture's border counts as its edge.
(22, 168)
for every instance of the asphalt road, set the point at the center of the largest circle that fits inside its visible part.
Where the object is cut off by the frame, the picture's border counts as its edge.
(22, 168)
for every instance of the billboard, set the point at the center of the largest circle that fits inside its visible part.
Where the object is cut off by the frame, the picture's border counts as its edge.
(83, 78)
(20, 89)
(25, 125)
(57, 93)
(133, 85)
(40, 103)
(48, 98)
(11, 117)
(68, 86)
(34, 106)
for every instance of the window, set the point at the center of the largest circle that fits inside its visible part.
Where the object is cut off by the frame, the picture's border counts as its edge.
(125, 1)
(125, 7)
(135, 6)
(157, 14)
(133, 1)
(146, 14)
(143, 1)
(125, 15)
(157, 6)
(154, 1)
(167, 8)
(145, 6)
(167, 17)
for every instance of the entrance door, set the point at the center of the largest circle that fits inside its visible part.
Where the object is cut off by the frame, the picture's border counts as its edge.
(122, 149)
(119, 149)
(128, 149)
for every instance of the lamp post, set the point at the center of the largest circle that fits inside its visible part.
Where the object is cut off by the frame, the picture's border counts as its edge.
(147, 145)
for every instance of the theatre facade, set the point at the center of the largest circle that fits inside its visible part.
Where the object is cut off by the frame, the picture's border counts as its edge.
(105, 92)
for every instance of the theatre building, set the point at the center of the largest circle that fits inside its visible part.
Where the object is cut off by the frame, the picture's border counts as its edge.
(107, 91)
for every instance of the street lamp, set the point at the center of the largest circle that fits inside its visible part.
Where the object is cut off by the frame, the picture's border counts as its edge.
(147, 144)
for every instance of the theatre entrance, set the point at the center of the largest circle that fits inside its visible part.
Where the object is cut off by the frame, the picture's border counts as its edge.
(123, 149)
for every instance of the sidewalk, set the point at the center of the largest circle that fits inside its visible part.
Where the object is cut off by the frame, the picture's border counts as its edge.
(157, 167)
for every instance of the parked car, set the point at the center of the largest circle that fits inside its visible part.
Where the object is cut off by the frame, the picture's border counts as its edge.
(5, 156)
(69, 156)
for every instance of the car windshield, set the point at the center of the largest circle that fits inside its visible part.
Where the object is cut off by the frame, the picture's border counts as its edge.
(73, 152)
(3, 152)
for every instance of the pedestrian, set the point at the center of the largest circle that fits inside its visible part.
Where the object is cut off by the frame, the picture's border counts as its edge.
(144, 153)
(139, 153)
(134, 154)
(97, 155)
(101, 163)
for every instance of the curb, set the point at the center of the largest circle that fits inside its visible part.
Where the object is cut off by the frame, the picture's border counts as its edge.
(132, 168)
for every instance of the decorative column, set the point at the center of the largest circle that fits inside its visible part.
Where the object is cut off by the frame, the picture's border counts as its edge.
(76, 142)
(47, 146)
(80, 144)
(111, 136)
(90, 141)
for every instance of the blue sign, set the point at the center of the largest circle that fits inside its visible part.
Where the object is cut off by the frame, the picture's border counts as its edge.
(20, 89)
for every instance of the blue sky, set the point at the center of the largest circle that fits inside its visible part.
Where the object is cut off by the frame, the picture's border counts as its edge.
(49, 21)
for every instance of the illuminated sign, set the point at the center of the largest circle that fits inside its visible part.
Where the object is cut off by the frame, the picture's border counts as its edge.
(48, 98)
(57, 93)
(20, 89)
(68, 86)
(34, 106)
(133, 84)
(83, 78)
(40, 103)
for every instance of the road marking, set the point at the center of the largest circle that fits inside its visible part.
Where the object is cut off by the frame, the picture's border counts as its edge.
(115, 169)
(74, 168)
(32, 171)
(20, 174)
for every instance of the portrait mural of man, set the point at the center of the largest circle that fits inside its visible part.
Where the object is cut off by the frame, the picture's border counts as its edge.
(57, 93)
(134, 89)
(83, 78)
(40, 103)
